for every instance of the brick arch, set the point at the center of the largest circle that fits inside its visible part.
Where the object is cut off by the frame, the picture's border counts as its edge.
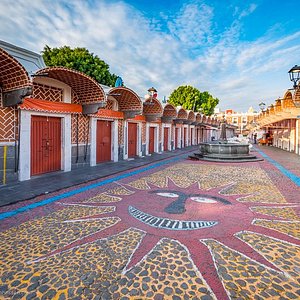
(202, 118)
(297, 95)
(288, 100)
(191, 116)
(169, 113)
(182, 114)
(87, 89)
(198, 118)
(13, 75)
(152, 109)
(128, 101)
(278, 105)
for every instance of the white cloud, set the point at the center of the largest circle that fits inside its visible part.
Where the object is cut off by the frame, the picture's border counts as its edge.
(240, 13)
(238, 73)
(249, 10)
(192, 26)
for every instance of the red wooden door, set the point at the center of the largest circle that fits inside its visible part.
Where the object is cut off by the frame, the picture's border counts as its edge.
(185, 137)
(176, 138)
(166, 138)
(45, 144)
(132, 139)
(151, 139)
(191, 137)
(103, 152)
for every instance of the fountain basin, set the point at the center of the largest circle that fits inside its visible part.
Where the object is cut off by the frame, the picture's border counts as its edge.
(224, 148)
(222, 151)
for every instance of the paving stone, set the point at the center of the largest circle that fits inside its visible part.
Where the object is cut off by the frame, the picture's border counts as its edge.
(168, 268)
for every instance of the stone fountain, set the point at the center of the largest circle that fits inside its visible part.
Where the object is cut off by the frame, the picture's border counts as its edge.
(224, 151)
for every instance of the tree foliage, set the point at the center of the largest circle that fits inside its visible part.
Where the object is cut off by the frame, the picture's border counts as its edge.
(79, 59)
(191, 98)
(208, 103)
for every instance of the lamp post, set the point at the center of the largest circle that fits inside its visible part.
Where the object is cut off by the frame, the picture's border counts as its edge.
(152, 93)
(262, 106)
(294, 73)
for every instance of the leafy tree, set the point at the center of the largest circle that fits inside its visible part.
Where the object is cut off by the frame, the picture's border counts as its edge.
(186, 96)
(79, 59)
(208, 103)
(191, 98)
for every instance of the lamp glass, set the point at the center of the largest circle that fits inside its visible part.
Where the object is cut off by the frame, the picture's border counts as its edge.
(294, 74)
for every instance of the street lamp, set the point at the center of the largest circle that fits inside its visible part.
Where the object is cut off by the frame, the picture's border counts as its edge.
(295, 78)
(262, 106)
(294, 73)
(152, 93)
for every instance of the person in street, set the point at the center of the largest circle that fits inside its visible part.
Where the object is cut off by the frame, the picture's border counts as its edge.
(255, 137)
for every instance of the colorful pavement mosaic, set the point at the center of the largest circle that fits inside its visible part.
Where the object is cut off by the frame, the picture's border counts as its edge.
(187, 230)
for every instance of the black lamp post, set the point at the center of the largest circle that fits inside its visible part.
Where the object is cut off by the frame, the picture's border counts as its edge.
(295, 75)
(295, 78)
(262, 106)
(152, 91)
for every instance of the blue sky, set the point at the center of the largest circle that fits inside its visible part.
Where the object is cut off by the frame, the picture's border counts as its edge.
(239, 51)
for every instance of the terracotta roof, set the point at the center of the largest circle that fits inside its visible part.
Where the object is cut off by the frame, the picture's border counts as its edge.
(127, 99)
(12, 74)
(169, 111)
(198, 117)
(182, 114)
(191, 116)
(86, 88)
(152, 107)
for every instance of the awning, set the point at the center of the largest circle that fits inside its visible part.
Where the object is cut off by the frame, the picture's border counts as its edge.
(49, 106)
(108, 114)
(209, 127)
(138, 118)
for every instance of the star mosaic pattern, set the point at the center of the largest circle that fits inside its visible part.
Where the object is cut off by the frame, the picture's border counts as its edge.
(140, 238)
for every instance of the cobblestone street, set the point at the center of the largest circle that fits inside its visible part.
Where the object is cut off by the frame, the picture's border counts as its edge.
(174, 229)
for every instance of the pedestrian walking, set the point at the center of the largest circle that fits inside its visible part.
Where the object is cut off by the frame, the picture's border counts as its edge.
(255, 137)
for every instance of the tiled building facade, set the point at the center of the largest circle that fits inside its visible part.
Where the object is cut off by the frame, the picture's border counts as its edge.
(56, 119)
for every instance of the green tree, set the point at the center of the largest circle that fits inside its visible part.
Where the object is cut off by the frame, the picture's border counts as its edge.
(191, 98)
(208, 103)
(186, 96)
(79, 59)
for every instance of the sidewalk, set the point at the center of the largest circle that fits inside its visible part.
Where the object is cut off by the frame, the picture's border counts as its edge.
(288, 160)
(48, 183)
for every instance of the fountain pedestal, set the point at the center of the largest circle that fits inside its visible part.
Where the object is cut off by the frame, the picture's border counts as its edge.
(224, 151)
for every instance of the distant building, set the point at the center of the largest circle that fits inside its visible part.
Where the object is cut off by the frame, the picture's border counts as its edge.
(242, 120)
